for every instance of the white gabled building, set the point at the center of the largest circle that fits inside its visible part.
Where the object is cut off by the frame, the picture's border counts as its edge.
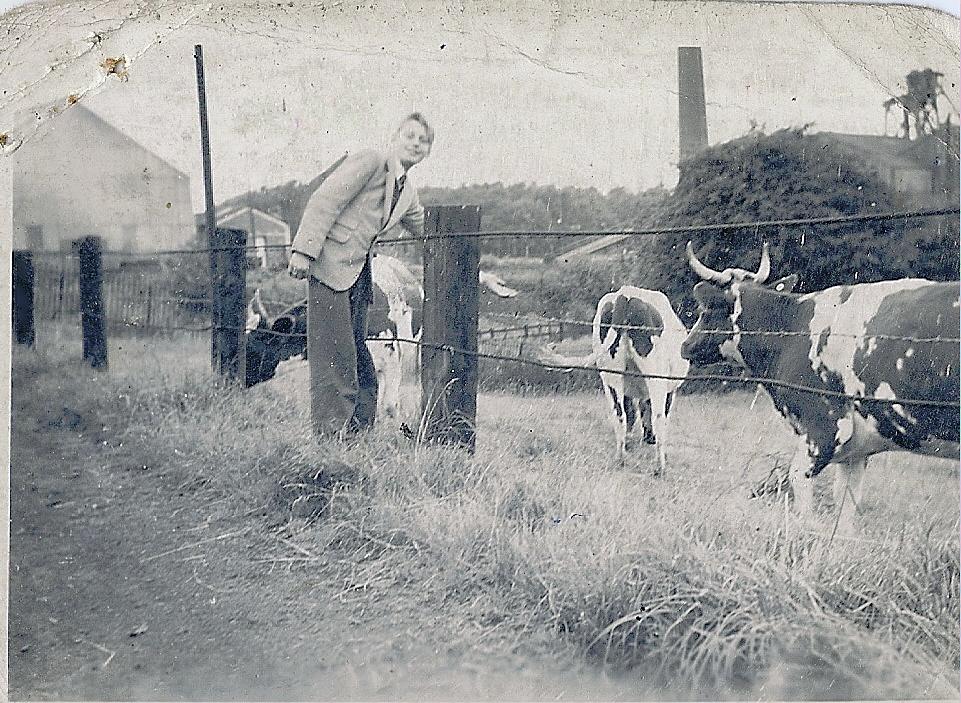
(262, 230)
(82, 176)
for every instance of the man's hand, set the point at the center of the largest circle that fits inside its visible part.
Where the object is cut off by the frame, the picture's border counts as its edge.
(299, 265)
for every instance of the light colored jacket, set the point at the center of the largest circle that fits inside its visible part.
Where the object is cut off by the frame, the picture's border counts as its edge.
(349, 211)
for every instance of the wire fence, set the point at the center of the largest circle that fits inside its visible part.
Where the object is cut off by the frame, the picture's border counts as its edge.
(695, 229)
(140, 298)
(566, 368)
(538, 333)
(645, 232)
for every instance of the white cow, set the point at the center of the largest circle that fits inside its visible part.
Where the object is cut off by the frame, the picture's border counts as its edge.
(395, 315)
(636, 331)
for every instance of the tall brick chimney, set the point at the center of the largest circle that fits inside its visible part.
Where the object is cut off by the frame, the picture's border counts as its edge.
(692, 111)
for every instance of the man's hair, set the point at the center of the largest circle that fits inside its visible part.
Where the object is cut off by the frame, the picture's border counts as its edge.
(419, 118)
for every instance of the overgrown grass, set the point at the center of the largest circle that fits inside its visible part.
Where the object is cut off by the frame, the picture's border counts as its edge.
(680, 580)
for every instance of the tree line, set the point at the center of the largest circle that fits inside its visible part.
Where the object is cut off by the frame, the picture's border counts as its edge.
(786, 174)
(518, 206)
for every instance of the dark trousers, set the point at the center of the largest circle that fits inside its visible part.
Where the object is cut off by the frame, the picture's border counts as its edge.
(343, 381)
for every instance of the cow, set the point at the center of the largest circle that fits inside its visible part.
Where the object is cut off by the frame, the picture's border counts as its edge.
(636, 331)
(838, 361)
(394, 316)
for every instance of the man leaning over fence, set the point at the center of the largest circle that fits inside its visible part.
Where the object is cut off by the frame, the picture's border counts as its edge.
(367, 194)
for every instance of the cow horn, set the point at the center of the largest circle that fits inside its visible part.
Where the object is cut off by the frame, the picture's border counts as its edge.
(708, 274)
(764, 270)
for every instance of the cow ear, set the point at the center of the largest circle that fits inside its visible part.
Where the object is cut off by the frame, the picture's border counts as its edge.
(283, 324)
(784, 285)
(706, 293)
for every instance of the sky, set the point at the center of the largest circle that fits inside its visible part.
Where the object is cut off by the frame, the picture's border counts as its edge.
(558, 92)
(951, 6)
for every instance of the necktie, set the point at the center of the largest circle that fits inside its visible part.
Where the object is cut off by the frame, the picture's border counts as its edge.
(398, 187)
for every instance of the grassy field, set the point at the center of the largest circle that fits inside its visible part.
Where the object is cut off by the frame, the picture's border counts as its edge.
(680, 585)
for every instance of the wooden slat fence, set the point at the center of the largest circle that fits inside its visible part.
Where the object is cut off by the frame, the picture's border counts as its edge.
(136, 298)
(525, 341)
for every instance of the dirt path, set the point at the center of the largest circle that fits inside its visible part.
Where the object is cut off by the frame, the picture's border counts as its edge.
(123, 588)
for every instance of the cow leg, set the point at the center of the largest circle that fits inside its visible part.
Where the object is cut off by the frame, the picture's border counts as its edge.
(410, 381)
(633, 408)
(408, 362)
(385, 356)
(650, 436)
(383, 397)
(848, 490)
(391, 378)
(659, 405)
(619, 418)
(801, 485)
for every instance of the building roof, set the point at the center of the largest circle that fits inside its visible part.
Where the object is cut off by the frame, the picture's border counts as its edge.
(82, 112)
(231, 213)
(892, 152)
(592, 247)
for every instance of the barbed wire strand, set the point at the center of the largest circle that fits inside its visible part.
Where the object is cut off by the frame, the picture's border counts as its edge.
(498, 331)
(636, 374)
(700, 377)
(690, 229)
(645, 232)
(649, 328)
(760, 333)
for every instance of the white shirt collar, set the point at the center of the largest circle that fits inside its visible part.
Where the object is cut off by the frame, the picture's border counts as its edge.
(396, 166)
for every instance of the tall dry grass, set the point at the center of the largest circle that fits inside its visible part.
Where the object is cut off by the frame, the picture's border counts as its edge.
(538, 537)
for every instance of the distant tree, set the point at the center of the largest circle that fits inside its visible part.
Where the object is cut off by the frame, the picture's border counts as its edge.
(785, 175)
(545, 208)
(286, 201)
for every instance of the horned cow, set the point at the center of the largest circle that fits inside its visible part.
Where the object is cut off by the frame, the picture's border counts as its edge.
(838, 361)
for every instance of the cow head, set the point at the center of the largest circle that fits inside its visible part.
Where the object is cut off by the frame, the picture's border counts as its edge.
(266, 342)
(714, 337)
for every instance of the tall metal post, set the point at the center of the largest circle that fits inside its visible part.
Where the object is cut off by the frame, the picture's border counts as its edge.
(210, 218)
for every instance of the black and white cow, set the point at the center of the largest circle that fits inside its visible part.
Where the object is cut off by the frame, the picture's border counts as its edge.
(889, 340)
(394, 316)
(636, 331)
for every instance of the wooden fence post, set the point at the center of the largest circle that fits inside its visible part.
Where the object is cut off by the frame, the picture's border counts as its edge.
(23, 297)
(89, 250)
(451, 311)
(148, 322)
(231, 284)
(58, 313)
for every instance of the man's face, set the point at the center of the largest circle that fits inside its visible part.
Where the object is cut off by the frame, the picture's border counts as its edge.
(411, 144)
